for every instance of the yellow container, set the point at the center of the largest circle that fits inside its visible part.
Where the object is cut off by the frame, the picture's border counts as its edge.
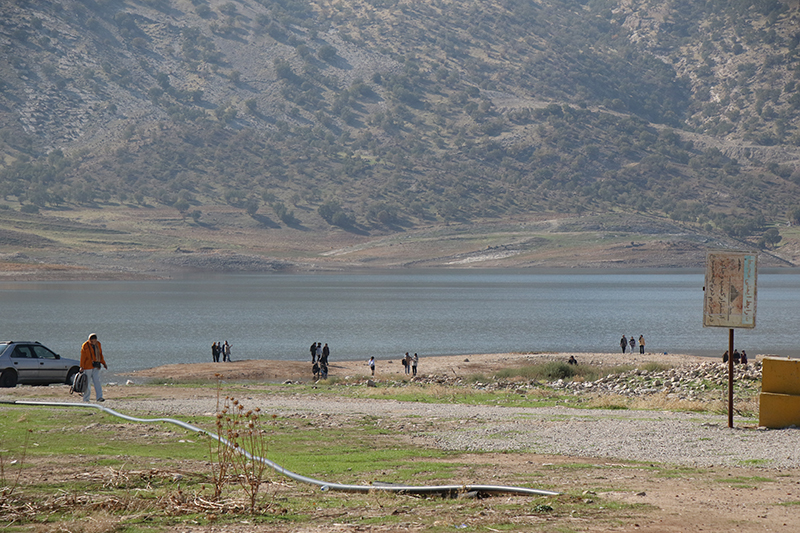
(779, 402)
(778, 410)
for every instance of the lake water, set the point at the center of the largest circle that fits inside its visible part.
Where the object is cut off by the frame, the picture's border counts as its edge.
(149, 323)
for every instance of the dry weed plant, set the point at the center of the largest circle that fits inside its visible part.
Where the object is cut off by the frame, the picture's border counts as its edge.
(219, 452)
(221, 457)
(243, 441)
(7, 487)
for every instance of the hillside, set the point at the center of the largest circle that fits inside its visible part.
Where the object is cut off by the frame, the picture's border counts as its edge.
(261, 134)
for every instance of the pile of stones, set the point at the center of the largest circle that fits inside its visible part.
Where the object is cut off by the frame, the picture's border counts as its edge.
(685, 382)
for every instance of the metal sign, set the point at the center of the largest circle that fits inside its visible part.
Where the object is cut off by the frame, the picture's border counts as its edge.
(730, 290)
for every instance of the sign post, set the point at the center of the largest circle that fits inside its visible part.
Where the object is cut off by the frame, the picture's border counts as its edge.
(730, 299)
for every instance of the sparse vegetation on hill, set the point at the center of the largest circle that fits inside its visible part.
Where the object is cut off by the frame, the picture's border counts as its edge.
(382, 115)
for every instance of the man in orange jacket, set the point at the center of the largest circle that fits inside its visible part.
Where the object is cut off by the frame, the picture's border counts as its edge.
(91, 361)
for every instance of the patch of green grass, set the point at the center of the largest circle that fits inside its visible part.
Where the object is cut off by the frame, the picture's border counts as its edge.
(654, 366)
(57, 431)
(745, 482)
(675, 472)
(549, 371)
(754, 462)
(577, 466)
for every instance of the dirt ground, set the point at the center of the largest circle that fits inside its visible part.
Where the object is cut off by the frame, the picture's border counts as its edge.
(667, 499)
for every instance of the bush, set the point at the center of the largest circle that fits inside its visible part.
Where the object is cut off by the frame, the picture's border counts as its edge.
(333, 214)
(327, 53)
(549, 371)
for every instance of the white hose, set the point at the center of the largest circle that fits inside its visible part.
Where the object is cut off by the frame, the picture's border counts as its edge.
(324, 485)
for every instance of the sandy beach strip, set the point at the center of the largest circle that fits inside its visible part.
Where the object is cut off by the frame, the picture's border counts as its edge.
(460, 365)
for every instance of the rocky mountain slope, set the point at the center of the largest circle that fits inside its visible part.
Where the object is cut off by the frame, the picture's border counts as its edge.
(362, 122)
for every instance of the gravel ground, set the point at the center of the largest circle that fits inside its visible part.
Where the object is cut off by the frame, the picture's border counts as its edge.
(665, 437)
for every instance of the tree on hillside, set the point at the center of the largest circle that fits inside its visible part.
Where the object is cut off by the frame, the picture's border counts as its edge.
(251, 206)
(770, 238)
(333, 214)
(795, 216)
(182, 206)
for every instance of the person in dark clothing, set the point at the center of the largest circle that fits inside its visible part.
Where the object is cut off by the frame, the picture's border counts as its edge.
(215, 352)
(744, 358)
(572, 360)
(725, 357)
(736, 357)
(623, 343)
(325, 353)
(313, 352)
(315, 370)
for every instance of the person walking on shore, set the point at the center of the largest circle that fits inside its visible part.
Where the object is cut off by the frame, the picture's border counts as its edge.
(414, 362)
(226, 352)
(632, 344)
(325, 353)
(623, 343)
(91, 361)
(313, 350)
(641, 344)
(215, 352)
(371, 364)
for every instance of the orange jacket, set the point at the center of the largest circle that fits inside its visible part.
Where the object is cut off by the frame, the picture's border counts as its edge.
(87, 355)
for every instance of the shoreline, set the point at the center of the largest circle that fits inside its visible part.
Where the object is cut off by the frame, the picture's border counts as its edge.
(461, 365)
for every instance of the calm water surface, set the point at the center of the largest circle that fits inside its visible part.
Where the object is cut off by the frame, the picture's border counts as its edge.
(145, 324)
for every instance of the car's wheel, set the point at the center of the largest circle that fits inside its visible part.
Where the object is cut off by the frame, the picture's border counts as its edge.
(71, 374)
(8, 378)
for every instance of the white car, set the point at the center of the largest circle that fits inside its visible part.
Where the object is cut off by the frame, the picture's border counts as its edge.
(34, 364)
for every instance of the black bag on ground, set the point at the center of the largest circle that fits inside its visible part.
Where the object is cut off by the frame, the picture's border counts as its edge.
(79, 383)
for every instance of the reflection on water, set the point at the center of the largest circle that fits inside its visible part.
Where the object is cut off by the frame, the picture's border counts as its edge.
(145, 324)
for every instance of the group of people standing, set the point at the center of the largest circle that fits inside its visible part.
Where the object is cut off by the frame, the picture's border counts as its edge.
(319, 360)
(737, 357)
(624, 343)
(410, 364)
(220, 349)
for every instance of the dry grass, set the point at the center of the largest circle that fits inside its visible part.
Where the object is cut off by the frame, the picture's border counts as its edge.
(100, 522)
(662, 402)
